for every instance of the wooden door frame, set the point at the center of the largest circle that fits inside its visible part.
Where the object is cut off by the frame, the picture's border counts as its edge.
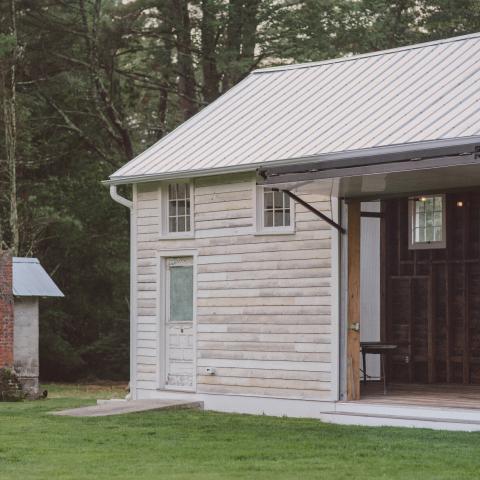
(162, 315)
(353, 300)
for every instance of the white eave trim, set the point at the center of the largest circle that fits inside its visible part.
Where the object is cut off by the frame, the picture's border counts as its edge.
(335, 156)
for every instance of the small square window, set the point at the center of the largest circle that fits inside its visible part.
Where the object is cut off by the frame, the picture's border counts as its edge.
(427, 227)
(274, 211)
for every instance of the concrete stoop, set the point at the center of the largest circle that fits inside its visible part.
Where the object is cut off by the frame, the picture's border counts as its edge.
(118, 407)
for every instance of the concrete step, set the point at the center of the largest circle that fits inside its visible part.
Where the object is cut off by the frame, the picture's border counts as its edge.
(389, 420)
(401, 410)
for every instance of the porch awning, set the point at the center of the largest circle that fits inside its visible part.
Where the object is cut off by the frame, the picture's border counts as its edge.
(391, 173)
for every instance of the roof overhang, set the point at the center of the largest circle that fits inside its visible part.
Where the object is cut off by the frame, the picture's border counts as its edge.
(391, 173)
(320, 162)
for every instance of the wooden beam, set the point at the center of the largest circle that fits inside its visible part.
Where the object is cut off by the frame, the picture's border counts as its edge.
(353, 311)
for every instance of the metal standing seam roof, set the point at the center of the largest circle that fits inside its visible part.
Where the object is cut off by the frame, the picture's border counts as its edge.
(31, 280)
(405, 96)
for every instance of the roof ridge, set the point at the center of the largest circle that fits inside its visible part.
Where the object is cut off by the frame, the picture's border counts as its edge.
(414, 46)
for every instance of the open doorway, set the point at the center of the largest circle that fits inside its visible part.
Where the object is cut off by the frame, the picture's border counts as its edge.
(420, 291)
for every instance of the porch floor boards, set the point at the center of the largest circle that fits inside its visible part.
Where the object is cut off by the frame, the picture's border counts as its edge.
(438, 395)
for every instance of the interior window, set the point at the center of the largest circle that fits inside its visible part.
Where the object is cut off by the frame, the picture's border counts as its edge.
(427, 222)
(178, 207)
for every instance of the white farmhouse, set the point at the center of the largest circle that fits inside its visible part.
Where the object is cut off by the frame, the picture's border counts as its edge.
(312, 213)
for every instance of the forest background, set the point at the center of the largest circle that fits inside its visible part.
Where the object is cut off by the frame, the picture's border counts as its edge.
(85, 85)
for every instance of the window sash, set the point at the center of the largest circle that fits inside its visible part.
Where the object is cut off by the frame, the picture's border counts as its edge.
(276, 209)
(427, 222)
(178, 208)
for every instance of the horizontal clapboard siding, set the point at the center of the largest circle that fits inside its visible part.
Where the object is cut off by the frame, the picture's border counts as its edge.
(263, 301)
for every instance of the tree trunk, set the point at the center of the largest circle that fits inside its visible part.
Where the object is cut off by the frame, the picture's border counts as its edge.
(186, 80)
(105, 105)
(249, 33)
(166, 62)
(233, 43)
(10, 120)
(211, 78)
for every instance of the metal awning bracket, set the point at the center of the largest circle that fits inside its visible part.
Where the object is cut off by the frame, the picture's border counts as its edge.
(318, 213)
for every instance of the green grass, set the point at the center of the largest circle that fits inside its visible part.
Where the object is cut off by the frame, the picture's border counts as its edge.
(206, 445)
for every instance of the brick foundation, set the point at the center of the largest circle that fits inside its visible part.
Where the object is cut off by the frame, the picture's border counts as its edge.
(6, 310)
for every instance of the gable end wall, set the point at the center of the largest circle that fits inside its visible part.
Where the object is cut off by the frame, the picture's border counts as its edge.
(263, 301)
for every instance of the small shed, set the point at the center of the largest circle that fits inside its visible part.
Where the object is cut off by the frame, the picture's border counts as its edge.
(24, 281)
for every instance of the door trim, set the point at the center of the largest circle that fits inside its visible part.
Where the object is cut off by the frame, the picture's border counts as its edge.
(162, 316)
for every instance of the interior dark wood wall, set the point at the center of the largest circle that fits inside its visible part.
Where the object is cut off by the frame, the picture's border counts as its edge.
(432, 297)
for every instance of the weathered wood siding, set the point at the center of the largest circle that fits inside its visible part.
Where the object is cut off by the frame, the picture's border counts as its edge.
(263, 301)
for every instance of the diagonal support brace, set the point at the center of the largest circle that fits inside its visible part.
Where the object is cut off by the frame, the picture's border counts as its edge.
(312, 209)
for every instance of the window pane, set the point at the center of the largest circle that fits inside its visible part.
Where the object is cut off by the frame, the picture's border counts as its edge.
(429, 207)
(437, 234)
(287, 217)
(268, 218)
(172, 191)
(181, 190)
(429, 234)
(420, 220)
(187, 224)
(172, 224)
(268, 199)
(278, 200)
(181, 224)
(181, 207)
(172, 209)
(438, 204)
(278, 218)
(437, 219)
(181, 294)
(420, 235)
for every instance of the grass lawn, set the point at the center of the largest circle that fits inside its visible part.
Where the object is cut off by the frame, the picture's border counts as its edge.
(206, 445)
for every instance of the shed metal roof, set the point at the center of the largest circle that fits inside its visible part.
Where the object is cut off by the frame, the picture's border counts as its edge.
(31, 280)
(407, 96)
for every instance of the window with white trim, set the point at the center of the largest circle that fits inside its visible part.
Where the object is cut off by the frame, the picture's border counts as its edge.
(274, 211)
(427, 227)
(177, 209)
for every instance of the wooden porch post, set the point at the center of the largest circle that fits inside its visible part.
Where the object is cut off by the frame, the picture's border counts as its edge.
(353, 311)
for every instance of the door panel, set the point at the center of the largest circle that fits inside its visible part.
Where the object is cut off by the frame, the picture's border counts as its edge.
(179, 323)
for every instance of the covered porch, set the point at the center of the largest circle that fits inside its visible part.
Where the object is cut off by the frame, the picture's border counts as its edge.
(409, 277)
